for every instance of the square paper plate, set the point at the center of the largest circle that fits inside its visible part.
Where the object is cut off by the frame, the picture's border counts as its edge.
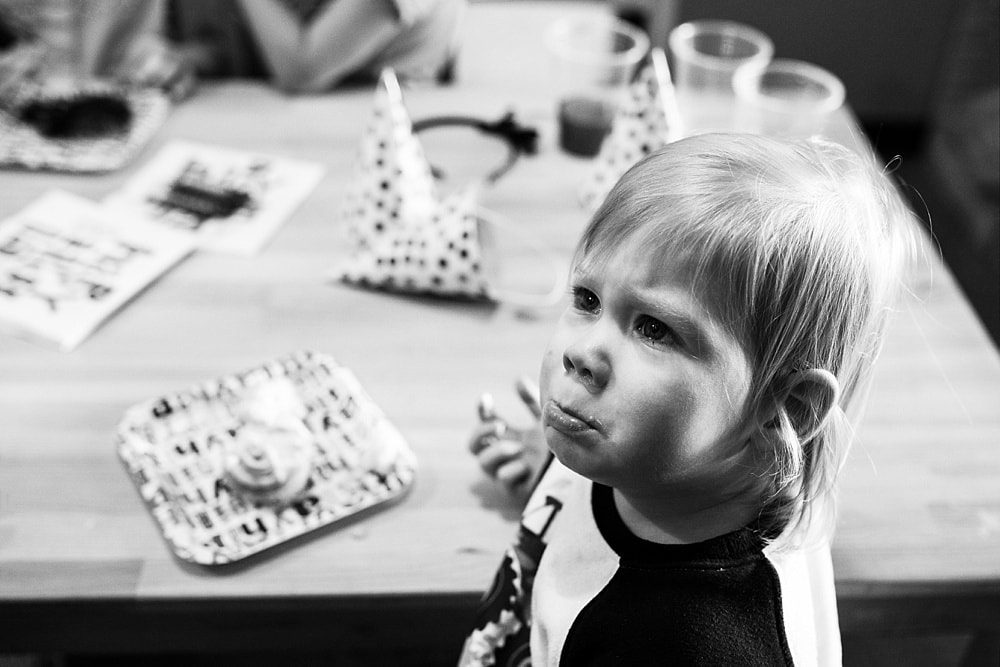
(23, 147)
(173, 447)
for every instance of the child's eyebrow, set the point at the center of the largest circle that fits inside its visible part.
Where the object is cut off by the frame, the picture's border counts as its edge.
(681, 310)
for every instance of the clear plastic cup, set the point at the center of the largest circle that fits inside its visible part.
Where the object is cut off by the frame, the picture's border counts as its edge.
(789, 98)
(705, 56)
(593, 58)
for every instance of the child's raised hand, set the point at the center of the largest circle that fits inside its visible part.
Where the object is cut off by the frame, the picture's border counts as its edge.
(509, 455)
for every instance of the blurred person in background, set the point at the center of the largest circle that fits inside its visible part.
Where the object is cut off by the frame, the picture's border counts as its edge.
(74, 40)
(959, 180)
(313, 46)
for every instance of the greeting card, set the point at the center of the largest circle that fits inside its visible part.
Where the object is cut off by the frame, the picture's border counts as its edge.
(66, 264)
(226, 200)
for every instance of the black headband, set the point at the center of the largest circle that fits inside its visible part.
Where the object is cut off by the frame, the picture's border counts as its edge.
(520, 139)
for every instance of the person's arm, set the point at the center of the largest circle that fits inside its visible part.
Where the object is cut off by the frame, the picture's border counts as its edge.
(126, 42)
(110, 31)
(315, 57)
(18, 65)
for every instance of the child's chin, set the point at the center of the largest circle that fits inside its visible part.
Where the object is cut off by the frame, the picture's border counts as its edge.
(572, 453)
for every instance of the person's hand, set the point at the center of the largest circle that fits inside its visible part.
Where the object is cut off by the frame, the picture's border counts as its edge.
(18, 66)
(153, 64)
(510, 455)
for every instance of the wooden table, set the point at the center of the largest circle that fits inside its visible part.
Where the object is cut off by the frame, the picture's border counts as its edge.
(82, 565)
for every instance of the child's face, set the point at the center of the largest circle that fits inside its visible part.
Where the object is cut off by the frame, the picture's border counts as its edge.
(642, 389)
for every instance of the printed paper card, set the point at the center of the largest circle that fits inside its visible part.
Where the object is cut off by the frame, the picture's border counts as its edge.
(228, 200)
(66, 264)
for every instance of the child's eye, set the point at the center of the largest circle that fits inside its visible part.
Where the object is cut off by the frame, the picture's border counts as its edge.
(585, 300)
(653, 329)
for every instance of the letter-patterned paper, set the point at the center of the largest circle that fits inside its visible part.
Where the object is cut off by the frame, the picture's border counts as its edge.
(22, 145)
(647, 120)
(405, 237)
(194, 456)
(67, 264)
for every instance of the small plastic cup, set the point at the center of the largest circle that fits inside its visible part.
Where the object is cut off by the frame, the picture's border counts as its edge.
(787, 98)
(705, 56)
(594, 58)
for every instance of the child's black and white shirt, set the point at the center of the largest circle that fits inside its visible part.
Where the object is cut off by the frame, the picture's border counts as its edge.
(578, 587)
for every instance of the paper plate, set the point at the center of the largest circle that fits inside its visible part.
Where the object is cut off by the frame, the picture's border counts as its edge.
(175, 449)
(23, 147)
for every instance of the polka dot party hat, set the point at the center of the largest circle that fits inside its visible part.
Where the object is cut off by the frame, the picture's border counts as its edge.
(404, 237)
(646, 120)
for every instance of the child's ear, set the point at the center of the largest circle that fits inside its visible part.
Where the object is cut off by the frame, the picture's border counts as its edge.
(808, 397)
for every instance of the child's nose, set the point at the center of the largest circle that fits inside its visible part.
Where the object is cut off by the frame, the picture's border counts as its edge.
(588, 362)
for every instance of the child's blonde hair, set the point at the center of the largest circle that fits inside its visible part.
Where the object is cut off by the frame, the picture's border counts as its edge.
(799, 248)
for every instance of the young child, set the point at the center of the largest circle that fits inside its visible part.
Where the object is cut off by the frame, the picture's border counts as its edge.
(728, 302)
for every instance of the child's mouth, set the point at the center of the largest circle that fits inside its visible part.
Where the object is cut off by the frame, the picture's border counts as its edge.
(566, 420)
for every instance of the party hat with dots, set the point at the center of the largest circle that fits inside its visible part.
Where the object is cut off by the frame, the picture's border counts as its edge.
(646, 120)
(404, 237)
(437, 255)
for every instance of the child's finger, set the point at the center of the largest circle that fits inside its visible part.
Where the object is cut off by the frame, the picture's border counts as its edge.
(486, 408)
(498, 453)
(513, 473)
(486, 434)
(527, 390)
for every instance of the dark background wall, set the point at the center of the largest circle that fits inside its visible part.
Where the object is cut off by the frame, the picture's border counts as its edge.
(889, 54)
(922, 78)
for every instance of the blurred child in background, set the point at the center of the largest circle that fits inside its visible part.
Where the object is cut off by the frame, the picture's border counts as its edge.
(312, 46)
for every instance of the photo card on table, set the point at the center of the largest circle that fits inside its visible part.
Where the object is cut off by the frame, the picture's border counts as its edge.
(67, 264)
(228, 200)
